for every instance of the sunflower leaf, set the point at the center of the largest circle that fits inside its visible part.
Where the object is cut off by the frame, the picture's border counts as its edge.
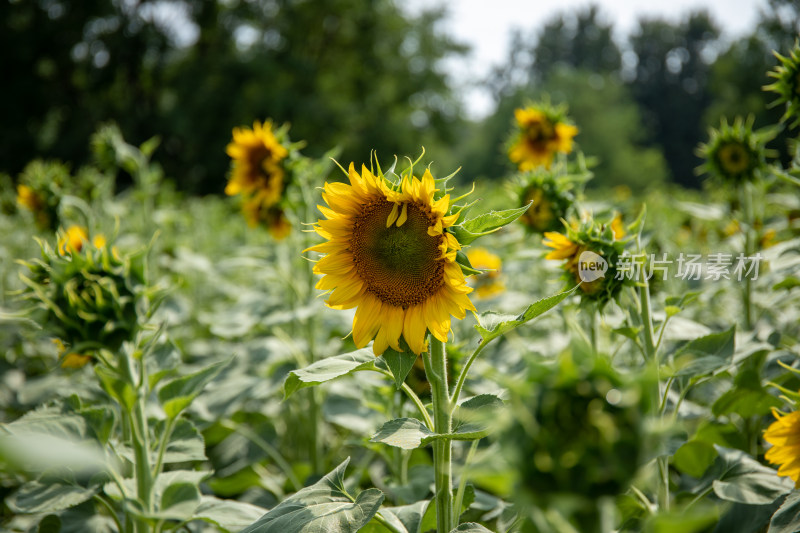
(400, 364)
(493, 325)
(786, 518)
(406, 433)
(737, 477)
(410, 433)
(471, 527)
(176, 395)
(324, 506)
(328, 369)
(486, 223)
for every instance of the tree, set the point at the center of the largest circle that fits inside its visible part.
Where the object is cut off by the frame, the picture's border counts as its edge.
(671, 86)
(352, 73)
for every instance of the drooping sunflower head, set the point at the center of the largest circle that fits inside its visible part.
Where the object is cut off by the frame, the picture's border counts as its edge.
(390, 253)
(734, 153)
(541, 130)
(260, 159)
(85, 293)
(551, 194)
(488, 283)
(787, 84)
(590, 252)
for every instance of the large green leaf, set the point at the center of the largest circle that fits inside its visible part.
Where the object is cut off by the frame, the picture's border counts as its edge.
(748, 397)
(471, 527)
(694, 457)
(485, 224)
(737, 477)
(705, 355)
(328, 369)
(400, 364)
(493, 324)
(39, 497)
(692, 521)
(409, 516)
(410, 433)
(478, 414)
(228, 515)
(325, 506)
(185, 444)
(406, 433)
(717, 344)
(787, 518)
(51, 437)
(177, 395)
(743, 518)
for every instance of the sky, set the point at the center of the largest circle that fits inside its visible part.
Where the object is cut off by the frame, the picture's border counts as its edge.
(486, 26)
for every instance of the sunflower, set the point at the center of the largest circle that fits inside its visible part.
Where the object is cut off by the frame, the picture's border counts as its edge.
(272, 217)
(542, 133)
(604, 240)
(784, 435)
(487, 284)
(618, 227)
(28, 198)
(735, 153)
(787, 84)
(389, 254)
(257, 157)
(259, 175)
(71, 241)
(73, 238)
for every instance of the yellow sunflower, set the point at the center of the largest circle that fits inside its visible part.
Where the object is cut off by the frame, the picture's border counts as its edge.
(388, 254)
(272, 217)
(539, 215)
(540, 137)
(257, 169)
(618, 227)
(488, 283)
(28, 198)
(71, 241)
(784, 435)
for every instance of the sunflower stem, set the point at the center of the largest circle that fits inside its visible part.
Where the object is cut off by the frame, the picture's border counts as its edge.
(746, 198)
(140, 439)
(436, 370)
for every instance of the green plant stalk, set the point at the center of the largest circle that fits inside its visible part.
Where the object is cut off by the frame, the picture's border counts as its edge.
(140, 442)
(650, 349)
(436, 370)
(311, 331)
(746, 199)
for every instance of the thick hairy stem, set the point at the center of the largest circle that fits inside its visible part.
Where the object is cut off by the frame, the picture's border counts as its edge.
(436, 369)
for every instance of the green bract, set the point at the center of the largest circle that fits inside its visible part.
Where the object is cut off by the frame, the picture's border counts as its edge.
(787, 84)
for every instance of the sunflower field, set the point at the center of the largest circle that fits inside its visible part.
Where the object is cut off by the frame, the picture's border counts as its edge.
(389, 344)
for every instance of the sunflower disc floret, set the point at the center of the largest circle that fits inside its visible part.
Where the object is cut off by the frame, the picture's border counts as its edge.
(389, 254)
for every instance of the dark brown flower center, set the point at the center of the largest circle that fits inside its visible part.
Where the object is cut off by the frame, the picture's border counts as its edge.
(400, 265)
